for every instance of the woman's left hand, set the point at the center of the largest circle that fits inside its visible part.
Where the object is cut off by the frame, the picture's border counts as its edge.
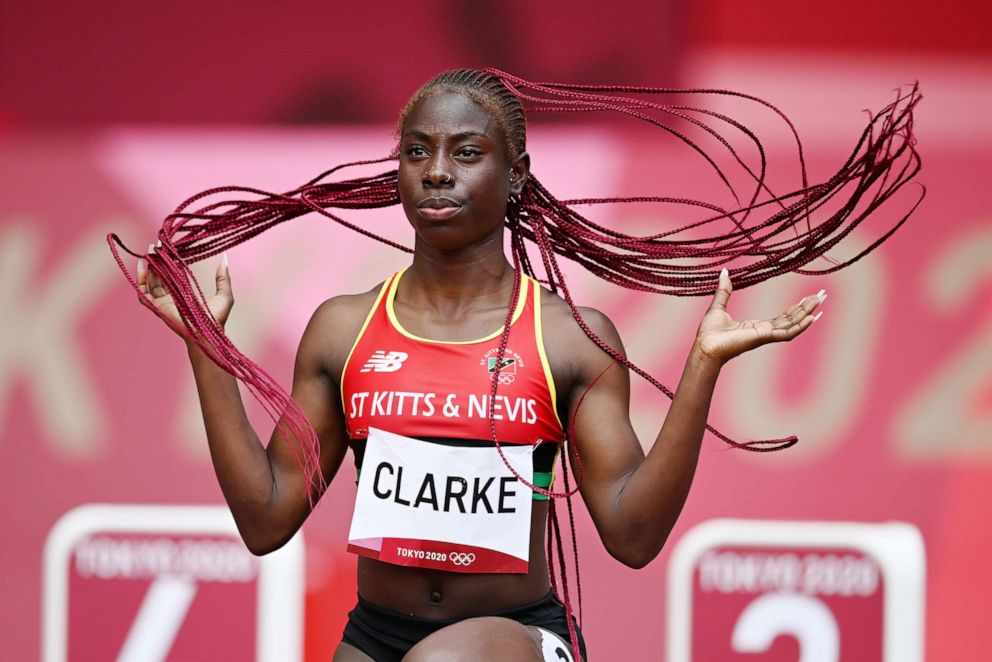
(720, 337)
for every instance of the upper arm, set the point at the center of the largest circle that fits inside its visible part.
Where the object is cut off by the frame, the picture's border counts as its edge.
(604, 446)
(316, 378)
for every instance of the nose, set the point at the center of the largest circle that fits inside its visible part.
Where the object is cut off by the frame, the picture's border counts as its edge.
(437, 174)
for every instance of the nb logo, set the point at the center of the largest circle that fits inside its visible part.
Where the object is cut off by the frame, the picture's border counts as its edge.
(380, 361)
(458, 558)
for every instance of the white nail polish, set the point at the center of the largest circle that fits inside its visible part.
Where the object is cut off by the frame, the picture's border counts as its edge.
(141, 264)
(151, 249)
(223, 257)
(801, 301)
(724, 273)
(817, 316)
(821, 295)
(159, 244)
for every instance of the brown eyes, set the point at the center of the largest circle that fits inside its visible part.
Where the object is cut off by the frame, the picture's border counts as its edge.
(418, 151)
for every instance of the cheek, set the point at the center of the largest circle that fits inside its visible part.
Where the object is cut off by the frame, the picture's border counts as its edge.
(404, 182)
(491, 188)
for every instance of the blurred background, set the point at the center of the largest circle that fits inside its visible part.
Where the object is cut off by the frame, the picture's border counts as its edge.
(112, 113)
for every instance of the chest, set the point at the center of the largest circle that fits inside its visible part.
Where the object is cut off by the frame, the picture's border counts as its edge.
(399, 381)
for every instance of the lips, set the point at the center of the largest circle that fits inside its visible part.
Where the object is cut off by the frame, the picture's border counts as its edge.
(438, 208)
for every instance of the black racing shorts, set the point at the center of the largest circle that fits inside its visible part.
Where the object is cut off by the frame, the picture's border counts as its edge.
(386, 635)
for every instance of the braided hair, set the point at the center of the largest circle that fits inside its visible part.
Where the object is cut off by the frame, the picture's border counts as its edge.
(488, 91)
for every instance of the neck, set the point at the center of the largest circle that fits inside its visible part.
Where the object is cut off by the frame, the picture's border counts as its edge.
(473, 274)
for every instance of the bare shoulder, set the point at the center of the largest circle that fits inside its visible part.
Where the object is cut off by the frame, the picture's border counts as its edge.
(335, 325)
(561, 326)
(344, 310)
(572, 354)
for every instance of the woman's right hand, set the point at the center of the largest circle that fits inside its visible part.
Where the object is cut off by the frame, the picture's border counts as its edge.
(154, 295)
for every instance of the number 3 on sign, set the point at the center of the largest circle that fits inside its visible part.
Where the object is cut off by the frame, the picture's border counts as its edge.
(800, 616)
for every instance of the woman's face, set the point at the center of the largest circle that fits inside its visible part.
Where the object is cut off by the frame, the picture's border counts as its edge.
(454, 173)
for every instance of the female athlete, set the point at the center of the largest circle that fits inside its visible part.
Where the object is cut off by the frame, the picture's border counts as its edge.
(431, 366)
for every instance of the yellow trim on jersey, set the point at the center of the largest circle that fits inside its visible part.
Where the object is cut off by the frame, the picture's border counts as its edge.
(539, 337)
(365, 325)
(391, 296)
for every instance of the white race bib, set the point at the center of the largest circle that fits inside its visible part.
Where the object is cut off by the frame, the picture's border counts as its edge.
(445, 507)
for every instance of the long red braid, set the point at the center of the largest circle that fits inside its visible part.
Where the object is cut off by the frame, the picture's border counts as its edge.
(764, 236)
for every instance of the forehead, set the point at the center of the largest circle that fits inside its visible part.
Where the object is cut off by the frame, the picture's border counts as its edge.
(449, 112)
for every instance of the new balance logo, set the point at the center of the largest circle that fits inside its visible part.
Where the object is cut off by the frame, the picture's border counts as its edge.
(380, 361)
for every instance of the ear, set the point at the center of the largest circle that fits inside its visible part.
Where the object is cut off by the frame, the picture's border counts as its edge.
(519, 172)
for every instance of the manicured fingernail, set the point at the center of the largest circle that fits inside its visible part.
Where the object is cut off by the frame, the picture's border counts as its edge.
(817, 316)
(223, 258)
(151, 249)
(159, 244)
(801, 301)
(724, 273)
(821, 295)
(141, 264)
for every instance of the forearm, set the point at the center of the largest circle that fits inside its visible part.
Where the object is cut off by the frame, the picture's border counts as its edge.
(650, 501)
(635, 500)
(239, 458)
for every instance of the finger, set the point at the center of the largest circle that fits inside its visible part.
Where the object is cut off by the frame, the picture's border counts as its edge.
(790, 332)
(142, 279)
(223, 277)
(810, 303)
(797, 307)
(723, 290)
(796, 312)
(787, 319)
(155, 287)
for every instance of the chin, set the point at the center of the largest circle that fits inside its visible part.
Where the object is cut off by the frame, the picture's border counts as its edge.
(451, 237)
(442, 237)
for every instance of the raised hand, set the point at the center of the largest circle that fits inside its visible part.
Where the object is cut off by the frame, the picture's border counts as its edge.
(720, 337)
(154, 295)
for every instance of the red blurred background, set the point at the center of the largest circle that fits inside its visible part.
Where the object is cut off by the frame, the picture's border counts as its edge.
(111, 113)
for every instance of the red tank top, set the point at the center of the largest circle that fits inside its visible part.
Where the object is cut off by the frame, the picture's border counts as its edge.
(440, 390)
